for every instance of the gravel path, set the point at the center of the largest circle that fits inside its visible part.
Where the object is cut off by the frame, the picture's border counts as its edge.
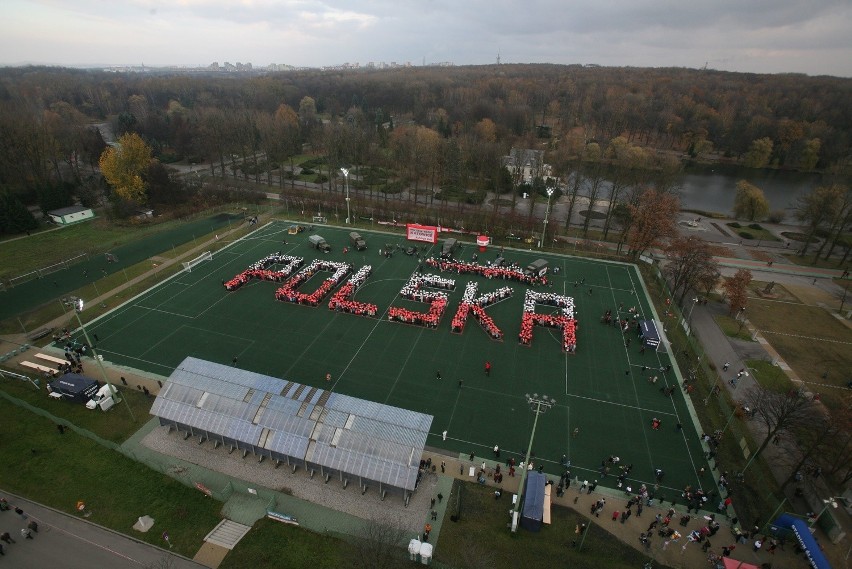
(332, 495)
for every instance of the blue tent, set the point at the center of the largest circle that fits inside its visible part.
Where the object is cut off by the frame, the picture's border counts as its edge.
(649, 334)
(533, 511)
(800, 529)
(75, 387)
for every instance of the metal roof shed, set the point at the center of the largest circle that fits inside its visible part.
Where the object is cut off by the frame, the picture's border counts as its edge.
(297, 424)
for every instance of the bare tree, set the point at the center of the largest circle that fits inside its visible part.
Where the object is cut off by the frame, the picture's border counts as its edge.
(776, 412)
(380, 544)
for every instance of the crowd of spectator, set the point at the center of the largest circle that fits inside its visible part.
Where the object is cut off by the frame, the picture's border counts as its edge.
(414, 290)
(511, 272)
(564, 321)
(470, 303)
(288, 292)
(261, 270)
(342, 299)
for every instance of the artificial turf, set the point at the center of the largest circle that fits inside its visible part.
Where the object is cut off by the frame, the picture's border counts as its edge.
(601, 389)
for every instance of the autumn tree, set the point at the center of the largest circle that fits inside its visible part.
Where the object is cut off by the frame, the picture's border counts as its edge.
(123, 165)
(736, 290)
(690, 261)
(652, 219)
(759, 153)
(817, 209)
(777, 412)
(749, 202)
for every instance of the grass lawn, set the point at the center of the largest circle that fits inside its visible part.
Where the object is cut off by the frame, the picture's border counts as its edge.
(731, 327)
(770, 376)
(480, 538)
(808, 261)
(272, 544)
(58, 470)
(748, 232)
(811, 341)
(115, 425)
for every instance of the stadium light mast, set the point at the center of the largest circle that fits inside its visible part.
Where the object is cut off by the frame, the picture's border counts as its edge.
(345, 172)
(546, 215)
(539, 406)
(113, 392)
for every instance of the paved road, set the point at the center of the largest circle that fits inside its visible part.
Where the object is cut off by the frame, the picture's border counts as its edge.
(73, 543)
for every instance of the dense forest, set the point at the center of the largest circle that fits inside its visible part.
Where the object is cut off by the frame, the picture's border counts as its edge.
(442, 131)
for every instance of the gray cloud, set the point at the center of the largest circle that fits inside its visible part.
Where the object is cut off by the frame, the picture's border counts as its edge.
(755, 35)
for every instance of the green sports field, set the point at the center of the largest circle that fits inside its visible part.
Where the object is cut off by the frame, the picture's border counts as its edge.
(601, 389)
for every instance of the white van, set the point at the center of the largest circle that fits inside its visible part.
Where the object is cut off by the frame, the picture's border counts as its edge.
(103, 398)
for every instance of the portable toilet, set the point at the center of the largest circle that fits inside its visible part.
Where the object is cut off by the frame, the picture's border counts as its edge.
(425, 553)
(413, 549)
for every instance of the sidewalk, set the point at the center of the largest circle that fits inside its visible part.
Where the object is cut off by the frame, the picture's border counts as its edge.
(681, 554)
(68, 541)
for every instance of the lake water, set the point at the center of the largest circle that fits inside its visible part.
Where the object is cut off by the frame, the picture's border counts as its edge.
(712, 188)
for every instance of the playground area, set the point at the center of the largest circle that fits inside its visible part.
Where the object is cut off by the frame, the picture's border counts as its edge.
(606, 399)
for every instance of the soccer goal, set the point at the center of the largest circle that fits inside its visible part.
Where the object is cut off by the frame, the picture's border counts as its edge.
(206, 256)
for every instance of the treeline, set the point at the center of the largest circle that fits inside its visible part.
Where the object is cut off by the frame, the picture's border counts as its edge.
(444, 129)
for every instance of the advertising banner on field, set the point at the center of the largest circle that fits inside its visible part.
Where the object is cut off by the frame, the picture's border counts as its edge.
(424, 233)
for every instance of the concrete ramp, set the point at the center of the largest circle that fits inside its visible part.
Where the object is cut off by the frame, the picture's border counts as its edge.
(227, 534)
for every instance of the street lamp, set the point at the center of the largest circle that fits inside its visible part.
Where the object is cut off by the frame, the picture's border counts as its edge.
(345, 172)
(538, 405)
(689, 316)
(828, 502)
(78, 308)
(546, 214)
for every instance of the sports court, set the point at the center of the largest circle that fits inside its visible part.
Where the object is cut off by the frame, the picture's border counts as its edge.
(601, 389)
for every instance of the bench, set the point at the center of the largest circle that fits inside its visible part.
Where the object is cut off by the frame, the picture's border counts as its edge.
(39, 367)
(45, 357)
(39, 334)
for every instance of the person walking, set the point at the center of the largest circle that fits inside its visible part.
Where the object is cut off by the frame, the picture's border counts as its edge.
(488, 369)
(7, 538)
(438, 375)
(460, 383)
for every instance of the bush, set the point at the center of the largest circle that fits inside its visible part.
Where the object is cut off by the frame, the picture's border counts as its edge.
(307, 172)
(735, 225)
(777, 216)
(745, 234)
(321, 179)
(756, 227)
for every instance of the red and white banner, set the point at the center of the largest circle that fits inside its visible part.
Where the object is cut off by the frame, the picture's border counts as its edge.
(424, 233)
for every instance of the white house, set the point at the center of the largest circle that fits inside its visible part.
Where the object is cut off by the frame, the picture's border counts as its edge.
(69, 215)
(526, 164)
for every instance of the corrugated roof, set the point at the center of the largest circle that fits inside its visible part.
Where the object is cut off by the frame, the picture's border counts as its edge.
(68, 210)
(362, 438)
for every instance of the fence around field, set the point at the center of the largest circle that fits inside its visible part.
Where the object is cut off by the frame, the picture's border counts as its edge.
(753, 498)
(44, 271)
(88, 268)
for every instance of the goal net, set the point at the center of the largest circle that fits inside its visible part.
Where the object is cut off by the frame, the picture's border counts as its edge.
(206, 256)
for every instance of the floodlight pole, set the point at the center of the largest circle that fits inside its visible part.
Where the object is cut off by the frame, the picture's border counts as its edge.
(113, 392)
(546, 215)
(828, 502)
(345, 172)
(538, 406)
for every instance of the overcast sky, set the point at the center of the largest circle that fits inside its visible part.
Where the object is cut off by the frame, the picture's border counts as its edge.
(763, 36)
